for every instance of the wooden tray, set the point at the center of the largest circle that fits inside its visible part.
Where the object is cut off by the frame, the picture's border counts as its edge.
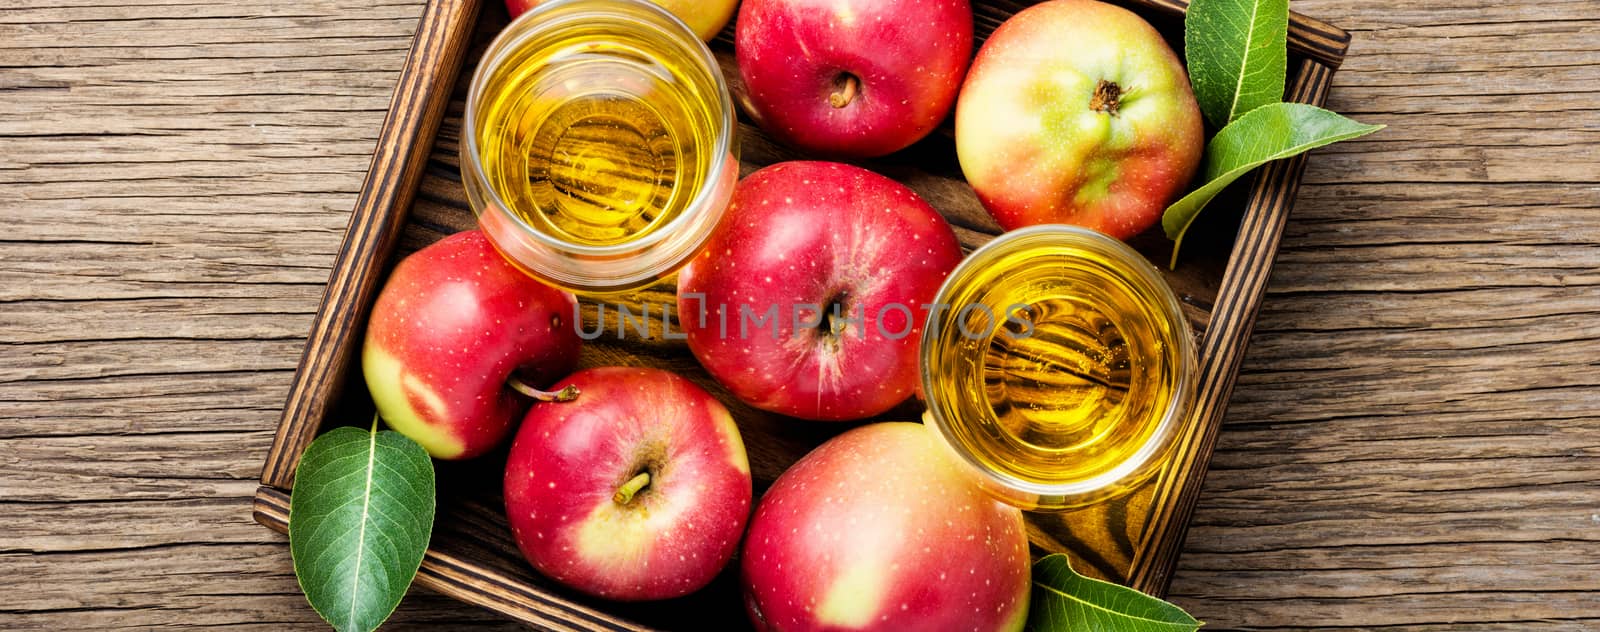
(413, 196)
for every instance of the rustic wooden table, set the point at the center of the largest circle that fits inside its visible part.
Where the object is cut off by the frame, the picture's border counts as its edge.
(1414, 441)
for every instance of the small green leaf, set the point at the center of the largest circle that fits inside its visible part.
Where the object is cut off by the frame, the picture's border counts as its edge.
(1064, 601)
(359, 521)
(1265, 134)
(1238, 55)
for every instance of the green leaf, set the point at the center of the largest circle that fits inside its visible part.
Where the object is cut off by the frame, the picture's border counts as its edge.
(1064, 601)
(1238, 55)
(1265, 134)
(359, 521)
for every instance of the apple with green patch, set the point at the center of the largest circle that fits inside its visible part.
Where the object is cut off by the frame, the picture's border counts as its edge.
(636, 489)
(458, 342)
(880, 529)
(1077, 112)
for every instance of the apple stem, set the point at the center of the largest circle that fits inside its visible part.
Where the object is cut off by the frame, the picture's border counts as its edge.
(836, 324)
(1107, 97)
(564, 395)
(625, 493)
(845, 88)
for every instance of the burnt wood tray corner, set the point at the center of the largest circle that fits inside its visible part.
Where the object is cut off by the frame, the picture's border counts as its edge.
(413, 196)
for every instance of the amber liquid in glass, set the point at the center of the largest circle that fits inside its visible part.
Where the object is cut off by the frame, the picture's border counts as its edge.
(600, 136)
(1072, 376)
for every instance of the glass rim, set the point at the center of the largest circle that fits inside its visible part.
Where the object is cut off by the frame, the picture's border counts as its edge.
(507, 41)
(1076, 493)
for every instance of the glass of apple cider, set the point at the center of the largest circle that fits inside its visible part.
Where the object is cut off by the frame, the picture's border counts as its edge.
(599, 145)
(1059, 366)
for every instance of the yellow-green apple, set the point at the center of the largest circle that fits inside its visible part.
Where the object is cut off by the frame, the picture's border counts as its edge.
(705, 17)
(636, 489)
(810, 299)
(852, 77)
(454, 323)
(1077, 112)
(878, 529)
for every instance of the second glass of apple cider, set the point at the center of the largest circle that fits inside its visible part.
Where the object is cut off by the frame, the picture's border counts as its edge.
(599, 144)
(1060, 366)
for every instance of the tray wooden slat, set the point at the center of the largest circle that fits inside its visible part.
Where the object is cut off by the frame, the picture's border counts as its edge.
(413, 196)
(1244, 283)
(404, 143)
(470, 582)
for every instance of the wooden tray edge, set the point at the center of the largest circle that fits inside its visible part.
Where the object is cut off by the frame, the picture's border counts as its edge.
(421, 96)
(1244, 283)
(404, 142)
(459, 579)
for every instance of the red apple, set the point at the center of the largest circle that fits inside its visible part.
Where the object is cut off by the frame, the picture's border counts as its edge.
(452, 325)
(637, 489)
(1077, 112)
(806, 248)
(879, 529)
(705, 17)
(852, 77)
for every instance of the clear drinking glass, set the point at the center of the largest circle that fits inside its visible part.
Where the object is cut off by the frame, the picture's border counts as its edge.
(1058, 366)
(599, 146)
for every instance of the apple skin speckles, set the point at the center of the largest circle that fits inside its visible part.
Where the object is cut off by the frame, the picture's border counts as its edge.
(769, 282)
(570, 459)
(815, 82)
(451, 325)
(879, 529)
(1034, 149)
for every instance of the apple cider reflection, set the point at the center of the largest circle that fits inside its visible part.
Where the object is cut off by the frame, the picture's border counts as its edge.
(1076, 394)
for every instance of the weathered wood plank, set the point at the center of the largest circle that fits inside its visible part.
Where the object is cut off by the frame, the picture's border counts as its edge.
(1411, 441)
(210, 585)
(172, 199)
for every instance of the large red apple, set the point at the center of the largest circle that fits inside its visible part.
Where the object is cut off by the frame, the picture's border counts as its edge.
(810, 299)
(1077, 112)
(852, 77)
(637, 489)
(452, 325)
(878, 529)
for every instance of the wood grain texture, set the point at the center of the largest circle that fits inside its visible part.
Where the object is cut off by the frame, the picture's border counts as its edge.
(1222, 350)
(404, 142)
(1410, 443)
(1133, 540)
